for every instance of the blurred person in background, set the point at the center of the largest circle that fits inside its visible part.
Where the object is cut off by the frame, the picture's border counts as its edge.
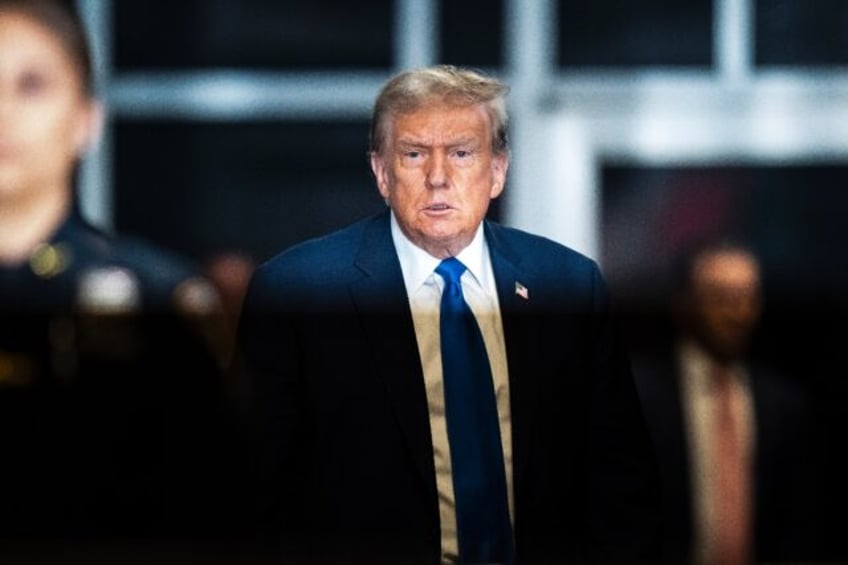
(229, 271)
(109, 396)
(732, 437)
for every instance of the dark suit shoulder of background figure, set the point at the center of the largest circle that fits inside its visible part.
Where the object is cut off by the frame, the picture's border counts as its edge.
(173, 286)
(163, 274)
(87, 269)
(86, 239)
(789, 496)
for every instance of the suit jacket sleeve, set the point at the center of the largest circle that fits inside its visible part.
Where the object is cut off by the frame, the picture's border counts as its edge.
(624, 493)
(267, 345)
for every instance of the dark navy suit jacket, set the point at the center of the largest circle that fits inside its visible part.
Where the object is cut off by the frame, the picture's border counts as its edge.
(345, 453)
(786, 499)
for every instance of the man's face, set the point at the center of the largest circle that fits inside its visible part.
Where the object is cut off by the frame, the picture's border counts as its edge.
(438, 174)
(726, 301)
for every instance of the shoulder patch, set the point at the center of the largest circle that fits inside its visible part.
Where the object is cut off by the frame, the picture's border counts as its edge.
(108, 290)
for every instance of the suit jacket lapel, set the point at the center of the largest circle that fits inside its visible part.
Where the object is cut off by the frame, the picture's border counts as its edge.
(522, 386)
(380, 298)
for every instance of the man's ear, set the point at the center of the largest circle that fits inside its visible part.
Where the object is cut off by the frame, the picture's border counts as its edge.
(378, 167)
(89, 127)
(500, 165)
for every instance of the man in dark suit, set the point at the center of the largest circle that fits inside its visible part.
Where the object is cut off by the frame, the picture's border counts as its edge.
(732, 437)
(362, 457)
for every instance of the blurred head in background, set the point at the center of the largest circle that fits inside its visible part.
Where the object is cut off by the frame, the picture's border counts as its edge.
(719, 301)
(48, 116)
(230, 272)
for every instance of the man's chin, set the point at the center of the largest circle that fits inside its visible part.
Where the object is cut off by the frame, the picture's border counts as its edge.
(443, 240)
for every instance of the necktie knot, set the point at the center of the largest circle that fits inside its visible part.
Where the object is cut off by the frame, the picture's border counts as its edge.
(451, 270)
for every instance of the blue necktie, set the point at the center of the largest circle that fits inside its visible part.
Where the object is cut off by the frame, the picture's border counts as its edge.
(477, 465)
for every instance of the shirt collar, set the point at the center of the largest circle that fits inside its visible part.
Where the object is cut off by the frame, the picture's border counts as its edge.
(417, 265)
(698, 364)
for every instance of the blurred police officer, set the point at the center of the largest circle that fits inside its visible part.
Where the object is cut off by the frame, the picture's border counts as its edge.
(109, 389)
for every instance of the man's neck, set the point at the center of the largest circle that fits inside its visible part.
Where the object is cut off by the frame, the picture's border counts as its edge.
(709, 354)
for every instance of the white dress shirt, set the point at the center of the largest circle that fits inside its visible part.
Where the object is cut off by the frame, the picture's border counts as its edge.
(424, 290)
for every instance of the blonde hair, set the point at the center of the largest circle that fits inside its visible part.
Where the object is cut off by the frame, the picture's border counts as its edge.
(442, 84)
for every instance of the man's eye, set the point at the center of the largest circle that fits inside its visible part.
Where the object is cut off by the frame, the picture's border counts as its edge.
(462, 153)
(413, 154)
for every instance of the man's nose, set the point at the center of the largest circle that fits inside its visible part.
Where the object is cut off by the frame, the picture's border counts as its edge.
(437, 173)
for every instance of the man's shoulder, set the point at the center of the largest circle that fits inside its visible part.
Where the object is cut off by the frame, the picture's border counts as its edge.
(102, 264)
(319, 258)
(169, 279)
(777, 388)
(538, 252)
(160, 266)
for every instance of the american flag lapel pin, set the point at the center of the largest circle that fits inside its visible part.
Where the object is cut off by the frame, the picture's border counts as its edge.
(522, 291)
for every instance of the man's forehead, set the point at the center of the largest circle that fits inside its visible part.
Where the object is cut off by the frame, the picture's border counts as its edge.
(439, 137)
(727, 267)
(441, 123)
(726, 260)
